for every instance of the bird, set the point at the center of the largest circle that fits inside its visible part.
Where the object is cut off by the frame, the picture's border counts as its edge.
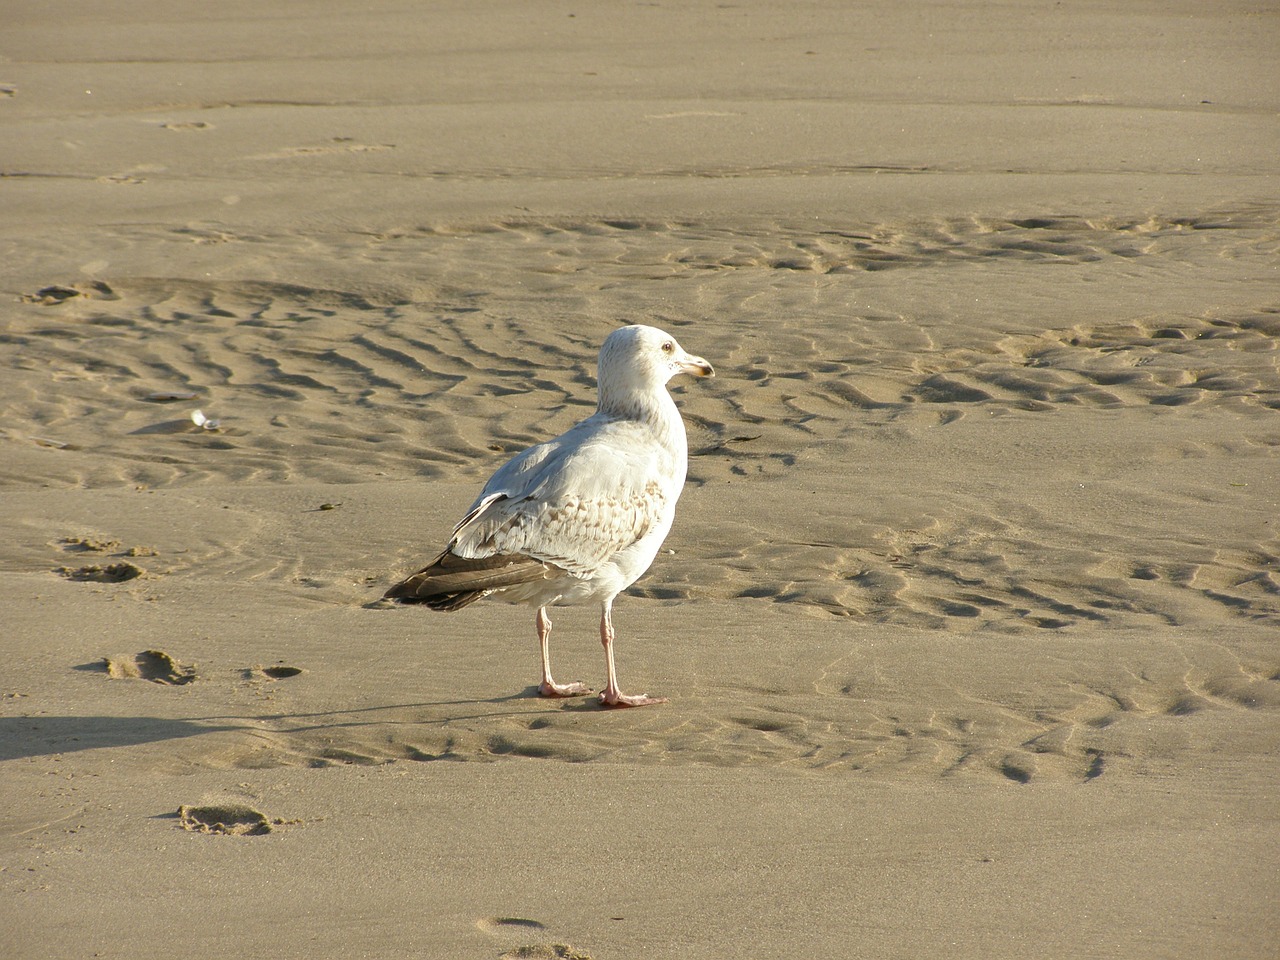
(579, 518)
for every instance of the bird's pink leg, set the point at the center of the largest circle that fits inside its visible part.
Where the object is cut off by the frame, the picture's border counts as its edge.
(611, 696)
(548, 687)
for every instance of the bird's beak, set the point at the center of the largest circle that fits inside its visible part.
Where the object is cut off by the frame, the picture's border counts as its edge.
(697, 366)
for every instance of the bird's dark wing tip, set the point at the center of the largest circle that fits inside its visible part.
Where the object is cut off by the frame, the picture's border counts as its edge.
(451, 582)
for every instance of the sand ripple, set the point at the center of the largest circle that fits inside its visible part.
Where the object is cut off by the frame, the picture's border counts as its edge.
(459, 345)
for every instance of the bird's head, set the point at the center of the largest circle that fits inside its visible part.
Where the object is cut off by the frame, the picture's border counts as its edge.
(641, 358)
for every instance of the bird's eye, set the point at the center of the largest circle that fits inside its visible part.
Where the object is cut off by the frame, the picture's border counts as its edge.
(668, 347)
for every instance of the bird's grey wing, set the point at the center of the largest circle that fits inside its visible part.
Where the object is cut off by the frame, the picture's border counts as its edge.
(581, 502)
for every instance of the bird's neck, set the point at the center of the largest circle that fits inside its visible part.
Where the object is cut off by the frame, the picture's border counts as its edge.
(655, 409)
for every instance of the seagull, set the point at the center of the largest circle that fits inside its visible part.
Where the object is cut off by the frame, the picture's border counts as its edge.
(579, 518)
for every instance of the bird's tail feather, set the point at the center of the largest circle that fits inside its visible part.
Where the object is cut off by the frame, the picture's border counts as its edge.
(451, 582)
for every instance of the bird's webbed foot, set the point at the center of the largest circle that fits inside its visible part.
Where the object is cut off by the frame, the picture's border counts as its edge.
(616, 698)
(549, 688)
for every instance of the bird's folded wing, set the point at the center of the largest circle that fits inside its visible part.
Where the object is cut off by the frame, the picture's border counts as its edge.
(574, 502)
(577, 535)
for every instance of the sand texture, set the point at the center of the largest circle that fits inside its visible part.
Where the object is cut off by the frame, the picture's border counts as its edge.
(970, 618)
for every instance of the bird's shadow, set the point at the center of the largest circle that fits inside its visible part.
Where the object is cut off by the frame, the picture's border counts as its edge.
(38, 736)
(583, 703)
(50, 735)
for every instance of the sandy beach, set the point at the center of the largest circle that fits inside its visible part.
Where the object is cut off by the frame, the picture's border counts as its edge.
(970, 616)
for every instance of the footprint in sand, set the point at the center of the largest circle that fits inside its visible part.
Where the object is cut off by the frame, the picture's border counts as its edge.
(154, 665)
(518, 928)
(118, 572)
(545, 951)
(281, 673)
(277, 672)
(100, 573)
(61, 293)
(99, 545)
(231, 819)
(88, 544)
(502, 926)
